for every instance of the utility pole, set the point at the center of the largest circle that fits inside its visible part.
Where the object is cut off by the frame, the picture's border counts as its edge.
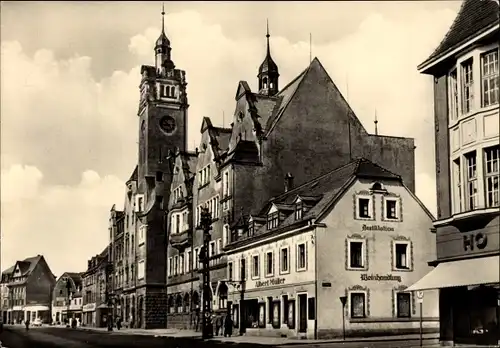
(68, 289)
(206, 226)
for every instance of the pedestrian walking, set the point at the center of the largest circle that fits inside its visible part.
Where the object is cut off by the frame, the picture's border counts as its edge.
(228, 326)
(218, 324)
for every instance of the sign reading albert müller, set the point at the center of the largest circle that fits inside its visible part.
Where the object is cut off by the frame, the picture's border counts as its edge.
(380, 278)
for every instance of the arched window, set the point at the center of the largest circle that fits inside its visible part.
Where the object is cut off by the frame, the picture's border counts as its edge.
(171, 304)
(178, 303)
(196, 299)
(187, 303)
(222, 296)
(377, 187)
(264, 82)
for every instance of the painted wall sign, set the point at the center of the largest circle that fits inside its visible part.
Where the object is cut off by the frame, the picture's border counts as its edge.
(380, 278)
(269, 282)
(479, 240)
(377, 228)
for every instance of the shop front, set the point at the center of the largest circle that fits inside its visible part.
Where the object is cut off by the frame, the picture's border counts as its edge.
(469, 300)
(272, 307)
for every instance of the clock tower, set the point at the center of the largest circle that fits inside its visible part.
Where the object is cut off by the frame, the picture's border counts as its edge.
(162, 111)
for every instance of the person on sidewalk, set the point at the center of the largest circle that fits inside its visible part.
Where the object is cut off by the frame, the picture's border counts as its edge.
(228, 326)
(218, 324)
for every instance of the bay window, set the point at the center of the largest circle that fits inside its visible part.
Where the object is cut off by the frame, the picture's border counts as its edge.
(471, 178)
(489, 78)
(491, 175)
(467, 86)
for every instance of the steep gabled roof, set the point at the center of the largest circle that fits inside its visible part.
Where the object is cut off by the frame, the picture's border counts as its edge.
(288, 94)
(473, 18)
(328, 187)
(134, 175)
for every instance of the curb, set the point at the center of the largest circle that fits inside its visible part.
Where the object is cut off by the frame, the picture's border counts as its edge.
(359, 340)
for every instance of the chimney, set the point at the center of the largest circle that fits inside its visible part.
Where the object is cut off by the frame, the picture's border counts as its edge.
(288, 182)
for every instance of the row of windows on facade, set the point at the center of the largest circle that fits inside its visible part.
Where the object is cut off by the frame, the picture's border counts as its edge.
(93, 296)
(488, 84)
(165, 91)
(479, 190)
(357, 259)
(184, 262)
(74, 302)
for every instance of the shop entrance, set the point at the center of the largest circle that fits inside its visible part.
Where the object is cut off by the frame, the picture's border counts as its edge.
(475, 319)
(302, 313)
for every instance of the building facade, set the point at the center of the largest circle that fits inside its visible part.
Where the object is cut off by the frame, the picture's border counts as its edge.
(356, 231)
(30, 283)
(162, 116)
(95, 308)
(466, 110)
(67, 299)
(237, 169)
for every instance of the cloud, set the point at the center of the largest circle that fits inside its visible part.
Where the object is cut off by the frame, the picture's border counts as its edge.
(67, 224)
(59, 121)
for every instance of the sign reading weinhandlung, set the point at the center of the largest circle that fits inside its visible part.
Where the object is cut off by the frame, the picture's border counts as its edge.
(269, 282)
(380, 278)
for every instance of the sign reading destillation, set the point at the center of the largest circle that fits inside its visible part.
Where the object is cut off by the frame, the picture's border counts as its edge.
(377, 228)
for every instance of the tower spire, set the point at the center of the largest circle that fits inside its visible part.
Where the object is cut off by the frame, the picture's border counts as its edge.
(267, 37)
(268, 70)
(163, 17)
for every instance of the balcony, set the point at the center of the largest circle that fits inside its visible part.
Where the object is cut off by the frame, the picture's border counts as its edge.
(181, 240)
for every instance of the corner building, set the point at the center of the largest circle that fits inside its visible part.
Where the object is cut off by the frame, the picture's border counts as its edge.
(356, 231)
(299, 131)
(465, 71)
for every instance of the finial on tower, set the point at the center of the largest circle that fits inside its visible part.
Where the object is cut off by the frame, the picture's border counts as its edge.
(267, 36)
(162, 17)
(376, 122)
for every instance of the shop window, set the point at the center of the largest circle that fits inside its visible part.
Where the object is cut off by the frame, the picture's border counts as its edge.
(262, 315)
(276, 315)
(403, 305)
(284, 260)
(357, 304)
(356, 253)
(270, 309)
(311, 306)
(290, 317)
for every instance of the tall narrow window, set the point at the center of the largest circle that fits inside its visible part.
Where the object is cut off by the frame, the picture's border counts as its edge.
(356, 254)
(269, 263)
(357, 305)
(230, 270)
(492, 173)
(457, 185)
(453, 95)
(256, 266)
(284, 260)
(472, 197)
(489, 77)
(243, 269)
(181, 264)
(177, 223)
(467, 86)
(189, 261)
(402, 256)
(301, 257)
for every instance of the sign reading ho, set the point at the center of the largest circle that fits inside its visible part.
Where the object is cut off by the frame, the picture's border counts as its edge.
(478, 240)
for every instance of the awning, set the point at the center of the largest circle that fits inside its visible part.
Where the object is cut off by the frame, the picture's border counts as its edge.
(483, 270)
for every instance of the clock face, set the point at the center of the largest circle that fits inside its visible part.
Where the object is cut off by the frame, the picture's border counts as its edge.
(167, 124)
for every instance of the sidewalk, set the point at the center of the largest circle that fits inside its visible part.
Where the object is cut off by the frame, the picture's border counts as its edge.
(256, 339)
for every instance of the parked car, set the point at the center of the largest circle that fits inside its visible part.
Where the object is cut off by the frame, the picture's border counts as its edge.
(37, 322)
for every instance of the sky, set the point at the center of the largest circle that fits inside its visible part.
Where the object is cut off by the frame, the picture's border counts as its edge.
(70, 74)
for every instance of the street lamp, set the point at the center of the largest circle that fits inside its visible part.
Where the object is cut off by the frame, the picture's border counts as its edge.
(206, 226)
(68, 291)
(109, 295)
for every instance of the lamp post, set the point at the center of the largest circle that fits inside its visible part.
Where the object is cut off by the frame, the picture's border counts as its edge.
(206, 226)
(68, 291)
(343, 300)
(109, 295)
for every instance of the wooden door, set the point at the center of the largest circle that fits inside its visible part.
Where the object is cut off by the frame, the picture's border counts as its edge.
(303, 313)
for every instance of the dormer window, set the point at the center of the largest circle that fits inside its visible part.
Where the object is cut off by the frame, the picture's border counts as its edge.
(251, 228)
(299, 210)
(272, 220)
(377, 187)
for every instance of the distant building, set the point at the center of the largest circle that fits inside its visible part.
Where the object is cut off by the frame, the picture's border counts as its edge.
(67, 302)
(95, 306)
(30, 283)
(356, 231)
(466, 111)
